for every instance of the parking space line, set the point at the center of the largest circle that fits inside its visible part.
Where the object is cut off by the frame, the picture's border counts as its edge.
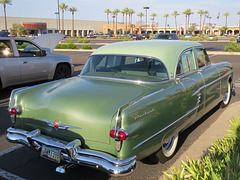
(212, 55)
(10, 150)
(8, 175)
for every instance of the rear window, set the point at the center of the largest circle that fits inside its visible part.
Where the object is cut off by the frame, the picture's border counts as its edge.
(126, 67)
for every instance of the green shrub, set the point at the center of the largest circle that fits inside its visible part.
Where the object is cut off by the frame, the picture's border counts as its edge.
(72, 46)
(66, 46)
(86, 47)
(223, 161)
(214, 39)
(69, 41)
(232, 39)
(104, 37)
(80, 41)
(232, 47)
(81, 37)
(86, 41)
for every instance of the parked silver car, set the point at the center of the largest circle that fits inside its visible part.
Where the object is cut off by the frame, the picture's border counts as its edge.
(23, 61)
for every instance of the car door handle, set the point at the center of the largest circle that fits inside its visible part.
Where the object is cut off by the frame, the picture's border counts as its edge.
(24, 62)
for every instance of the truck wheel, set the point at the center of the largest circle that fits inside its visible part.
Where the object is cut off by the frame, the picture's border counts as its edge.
(227, 97)
(62, 72)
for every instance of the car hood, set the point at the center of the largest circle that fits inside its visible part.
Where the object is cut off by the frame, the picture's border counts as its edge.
(48, 41)
(90, 104)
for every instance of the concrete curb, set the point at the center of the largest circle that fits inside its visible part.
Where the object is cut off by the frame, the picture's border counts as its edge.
(217, 130)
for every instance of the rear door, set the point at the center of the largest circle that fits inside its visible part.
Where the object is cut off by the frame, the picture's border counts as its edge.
(188, 75)
(210, 74)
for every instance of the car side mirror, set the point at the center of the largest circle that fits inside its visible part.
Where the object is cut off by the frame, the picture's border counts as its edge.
(43, 53)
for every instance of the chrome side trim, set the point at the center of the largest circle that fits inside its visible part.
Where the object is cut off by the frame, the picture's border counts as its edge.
(126, 80)
(71, 152)
(143, 142)
(206, 85)
(61, 126)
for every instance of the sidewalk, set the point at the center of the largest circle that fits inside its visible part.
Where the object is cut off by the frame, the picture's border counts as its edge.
(217, 130)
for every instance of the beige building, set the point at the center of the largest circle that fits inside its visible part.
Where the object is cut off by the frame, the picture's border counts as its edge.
(81, 27)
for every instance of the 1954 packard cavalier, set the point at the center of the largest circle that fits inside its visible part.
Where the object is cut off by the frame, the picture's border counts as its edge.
(131, 100)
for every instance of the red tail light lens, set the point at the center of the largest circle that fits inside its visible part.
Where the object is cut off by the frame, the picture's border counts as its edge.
(121, 135)
(13, 110)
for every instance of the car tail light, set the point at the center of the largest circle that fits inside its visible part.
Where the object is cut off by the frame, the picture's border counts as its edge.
(120, 135)
(13, 110)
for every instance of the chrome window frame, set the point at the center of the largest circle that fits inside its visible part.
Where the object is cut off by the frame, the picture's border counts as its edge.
(136, 81)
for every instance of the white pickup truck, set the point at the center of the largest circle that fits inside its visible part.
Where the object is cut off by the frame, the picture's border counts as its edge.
(23, 60)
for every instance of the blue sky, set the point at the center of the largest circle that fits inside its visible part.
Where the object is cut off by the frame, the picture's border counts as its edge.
(94, 9)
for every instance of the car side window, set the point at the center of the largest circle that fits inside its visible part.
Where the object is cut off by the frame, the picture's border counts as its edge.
(200, 58)
(188, 62)
(6, 49)
(27, 49)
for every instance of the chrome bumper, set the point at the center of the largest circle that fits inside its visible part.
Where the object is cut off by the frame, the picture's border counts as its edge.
(72, 153)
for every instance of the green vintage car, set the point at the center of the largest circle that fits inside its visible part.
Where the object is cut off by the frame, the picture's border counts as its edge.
(130, 101)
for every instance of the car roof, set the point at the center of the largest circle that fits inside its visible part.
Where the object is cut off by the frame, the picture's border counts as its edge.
(167, 51)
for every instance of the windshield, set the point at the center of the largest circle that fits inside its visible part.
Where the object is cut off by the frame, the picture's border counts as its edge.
(125, 67)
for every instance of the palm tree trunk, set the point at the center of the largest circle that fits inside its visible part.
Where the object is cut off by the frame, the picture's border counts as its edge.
(200, 23)
(226, 20)
(188, 20)
(123, 30)
(186, 24)
(176, 24)
(4, 6)
(63, 21)
(166, 25)
(126, 24)
(116, 24)
(72, 24)
(203, 31)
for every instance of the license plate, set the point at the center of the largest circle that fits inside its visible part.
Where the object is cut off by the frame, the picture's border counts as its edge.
(51, 153)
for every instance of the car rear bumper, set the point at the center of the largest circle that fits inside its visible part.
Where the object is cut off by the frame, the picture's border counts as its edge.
(72, 153)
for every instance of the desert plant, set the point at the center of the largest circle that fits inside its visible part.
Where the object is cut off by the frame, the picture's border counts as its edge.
(86, 41)
(68, 41)
(223, 161)
(232, 39)
(72, 46)
(86, 47)
(232, 47)
(80, 41)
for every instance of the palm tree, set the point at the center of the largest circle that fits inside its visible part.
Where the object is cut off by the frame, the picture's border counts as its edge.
(205, 14)
(140, 15)
(238, 13)
(130, 12)
(201, 12)
(108, 11)
(5, 2)
(175, 14)
(153, 17)
(123, 13)
(115, 12)
(72, 9)
(126, 11)
(188, 13)
(166, 16)
(226, 14)
(185, 12)
(63, 7)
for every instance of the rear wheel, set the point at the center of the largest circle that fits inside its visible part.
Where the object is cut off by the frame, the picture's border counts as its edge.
(227, 97)
(62, 72)
(166, 152)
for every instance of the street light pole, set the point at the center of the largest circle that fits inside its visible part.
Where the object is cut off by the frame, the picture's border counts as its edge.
(146, 7)
(56, 19)
(113, 24)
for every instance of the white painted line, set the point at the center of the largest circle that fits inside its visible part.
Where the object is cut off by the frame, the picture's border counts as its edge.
(10, 150)
(213, 55)
(9, 176)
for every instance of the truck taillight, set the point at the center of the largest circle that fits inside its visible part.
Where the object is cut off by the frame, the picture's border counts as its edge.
(120, 135)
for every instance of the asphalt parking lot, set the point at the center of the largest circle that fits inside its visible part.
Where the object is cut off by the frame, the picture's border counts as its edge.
(21, 162)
